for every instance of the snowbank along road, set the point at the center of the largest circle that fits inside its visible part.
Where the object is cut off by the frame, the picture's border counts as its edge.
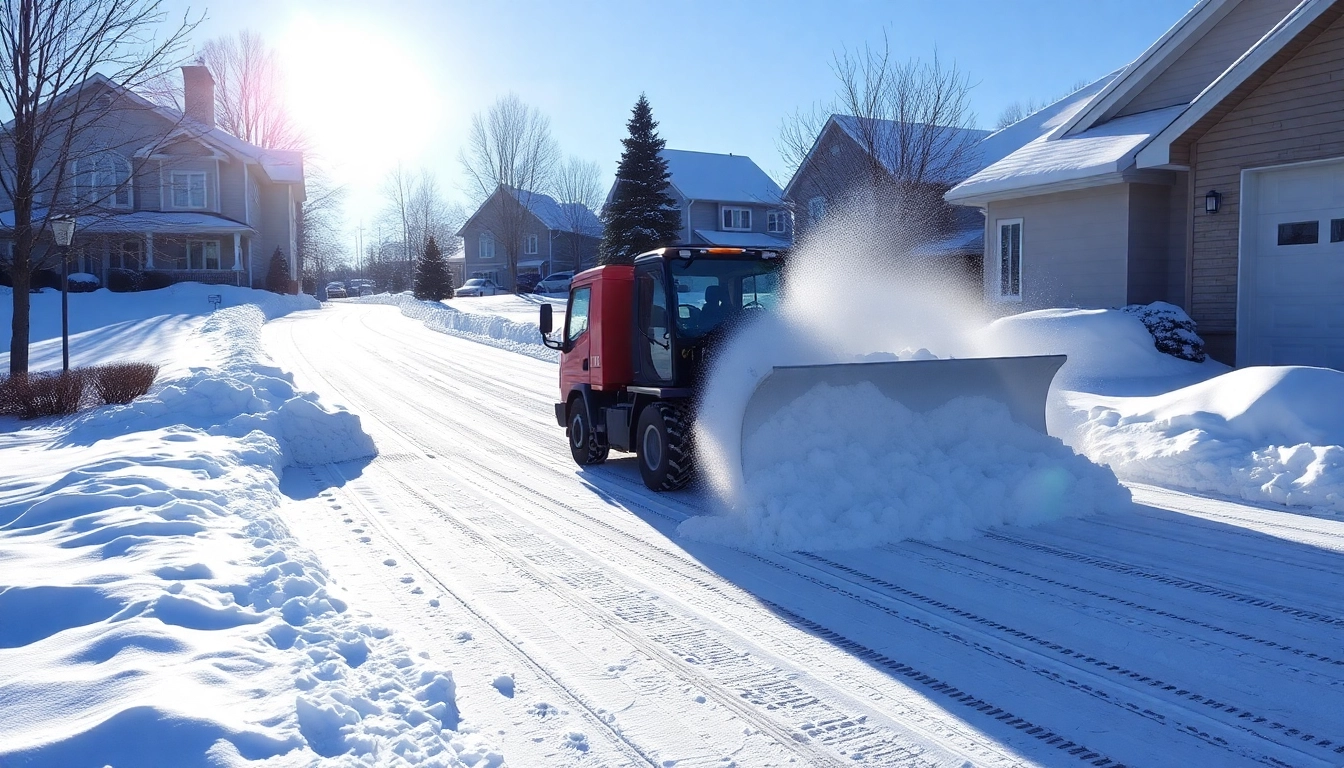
(581, 629)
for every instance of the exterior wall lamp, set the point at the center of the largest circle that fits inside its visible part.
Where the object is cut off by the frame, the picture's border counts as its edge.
(1212, 201)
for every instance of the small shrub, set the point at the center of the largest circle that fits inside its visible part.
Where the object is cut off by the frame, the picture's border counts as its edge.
(7, 405)
(83, 283)
(124, 280)
(153, 281)
(1173, 331)
(123, 382)
(5, 279)
(35, 395)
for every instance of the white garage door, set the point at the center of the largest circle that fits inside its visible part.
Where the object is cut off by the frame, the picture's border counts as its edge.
(1292, 308)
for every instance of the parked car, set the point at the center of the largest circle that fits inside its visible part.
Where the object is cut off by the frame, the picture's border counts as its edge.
(556, 282)
(478, 286)
(336, 291)
(527, 282)
(366, 290)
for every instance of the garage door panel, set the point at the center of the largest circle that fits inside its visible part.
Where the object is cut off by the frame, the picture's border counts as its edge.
(1295, 292)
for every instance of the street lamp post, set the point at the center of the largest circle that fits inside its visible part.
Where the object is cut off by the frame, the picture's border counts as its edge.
(63, 228)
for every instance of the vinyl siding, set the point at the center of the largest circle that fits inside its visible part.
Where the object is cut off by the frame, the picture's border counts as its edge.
(1210, 56)
(1149, 225)
(1073, 248)
(1295, 115)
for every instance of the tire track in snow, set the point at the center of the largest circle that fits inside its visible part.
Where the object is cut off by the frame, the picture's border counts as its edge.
(1116, 566)
(1131, 604)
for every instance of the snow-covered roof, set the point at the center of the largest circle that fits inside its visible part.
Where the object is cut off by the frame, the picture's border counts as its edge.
(560, 217)
(1054, 159)
(165, 222)
(741, 239)
(280, 165)
(970, 240)
(720, 178)
(883, 135)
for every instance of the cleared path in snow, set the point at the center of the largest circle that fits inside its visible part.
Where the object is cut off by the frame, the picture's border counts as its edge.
(1191, 632)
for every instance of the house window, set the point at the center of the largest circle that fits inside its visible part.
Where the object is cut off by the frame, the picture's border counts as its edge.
(1010, 259)
(127, 255)
(530, 244)
(816, 209)
(106, 182)
(1300, 233)
(203, 254)
(737, 218)
(776, 221)
(487, 247)
(1337, 230)
(188, 189)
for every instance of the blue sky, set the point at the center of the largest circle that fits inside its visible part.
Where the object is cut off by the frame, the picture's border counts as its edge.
(400, 79)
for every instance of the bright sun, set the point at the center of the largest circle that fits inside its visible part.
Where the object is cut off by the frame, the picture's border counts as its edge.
(361, 99)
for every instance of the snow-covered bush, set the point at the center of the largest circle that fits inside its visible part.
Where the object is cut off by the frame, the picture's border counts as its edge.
(1173, 330)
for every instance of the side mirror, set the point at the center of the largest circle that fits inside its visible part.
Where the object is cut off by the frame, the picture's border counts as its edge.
(547, 321)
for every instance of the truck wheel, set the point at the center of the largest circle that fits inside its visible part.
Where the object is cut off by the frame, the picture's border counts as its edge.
(582, 439)
(663, 443)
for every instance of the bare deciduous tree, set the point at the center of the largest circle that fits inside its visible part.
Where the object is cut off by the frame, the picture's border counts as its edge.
(321, 247)
(911, 122)
(509, 146)
(416, 207)
(1020, 109)
(250, 92)
(578, 190)
(49, 49)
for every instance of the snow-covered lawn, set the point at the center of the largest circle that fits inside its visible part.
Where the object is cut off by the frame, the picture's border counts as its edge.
(154, 609)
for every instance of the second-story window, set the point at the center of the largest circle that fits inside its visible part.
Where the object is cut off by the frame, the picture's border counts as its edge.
(776, 221)
(188, 189)
(487, 247)
(529, 244)
(737, 218)
(107, 181)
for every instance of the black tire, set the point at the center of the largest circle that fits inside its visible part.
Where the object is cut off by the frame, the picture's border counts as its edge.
(663, 443)
(582, 439)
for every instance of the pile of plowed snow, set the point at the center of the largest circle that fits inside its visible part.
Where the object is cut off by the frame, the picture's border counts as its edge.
(848, 467)
(1265, 434)
(154, 609)
(485, 327)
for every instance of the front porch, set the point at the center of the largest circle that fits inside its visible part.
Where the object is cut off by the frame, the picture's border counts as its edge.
(192, 248)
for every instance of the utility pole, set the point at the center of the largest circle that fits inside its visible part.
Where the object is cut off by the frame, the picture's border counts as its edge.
(359, 248)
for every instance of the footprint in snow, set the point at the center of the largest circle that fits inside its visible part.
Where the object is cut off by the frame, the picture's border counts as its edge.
(543, 710)
(389, 561)
(504, 684)
(366, 540)
(577, 740)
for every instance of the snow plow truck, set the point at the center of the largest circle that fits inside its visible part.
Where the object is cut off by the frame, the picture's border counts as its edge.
(637, 341)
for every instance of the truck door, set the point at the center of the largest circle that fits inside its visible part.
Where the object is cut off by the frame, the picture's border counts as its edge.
(574, 363)
(653, 326)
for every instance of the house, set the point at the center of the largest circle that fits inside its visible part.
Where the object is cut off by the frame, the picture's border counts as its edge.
(1208, 173)
(155, 190)
(543, 235)
(852, 156)
(725, 200)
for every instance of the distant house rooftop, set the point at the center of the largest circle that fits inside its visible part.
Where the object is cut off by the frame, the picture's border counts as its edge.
(729, 178)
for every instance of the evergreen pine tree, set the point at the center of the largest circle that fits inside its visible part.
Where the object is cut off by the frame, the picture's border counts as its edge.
(277, 276)
(433, 280)
(641, 215)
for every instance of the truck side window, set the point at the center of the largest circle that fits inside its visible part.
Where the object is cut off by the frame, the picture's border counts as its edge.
(654, 324)
(576, 323)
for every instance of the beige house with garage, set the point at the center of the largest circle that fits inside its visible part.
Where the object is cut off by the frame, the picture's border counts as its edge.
(1208, 173)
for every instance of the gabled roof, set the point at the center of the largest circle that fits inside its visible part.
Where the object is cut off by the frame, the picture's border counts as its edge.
(552, 215)
(1157, 153)
(741, 239)
(557, 216)
(853, 127)
(720, 178)
(1082, 146)
(282, 166)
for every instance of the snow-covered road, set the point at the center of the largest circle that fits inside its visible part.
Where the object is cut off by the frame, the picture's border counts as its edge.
(582, 630)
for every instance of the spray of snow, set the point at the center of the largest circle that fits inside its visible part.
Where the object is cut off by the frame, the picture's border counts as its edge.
(848, 467)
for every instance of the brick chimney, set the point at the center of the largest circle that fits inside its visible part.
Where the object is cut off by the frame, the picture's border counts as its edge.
(200, 93)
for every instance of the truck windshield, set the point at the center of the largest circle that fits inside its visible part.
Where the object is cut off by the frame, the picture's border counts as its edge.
(710, 292)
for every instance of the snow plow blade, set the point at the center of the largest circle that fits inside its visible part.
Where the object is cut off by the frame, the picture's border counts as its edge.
(1020, 383)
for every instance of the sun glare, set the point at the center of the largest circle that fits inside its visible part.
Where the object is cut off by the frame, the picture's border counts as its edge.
(361, 98)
